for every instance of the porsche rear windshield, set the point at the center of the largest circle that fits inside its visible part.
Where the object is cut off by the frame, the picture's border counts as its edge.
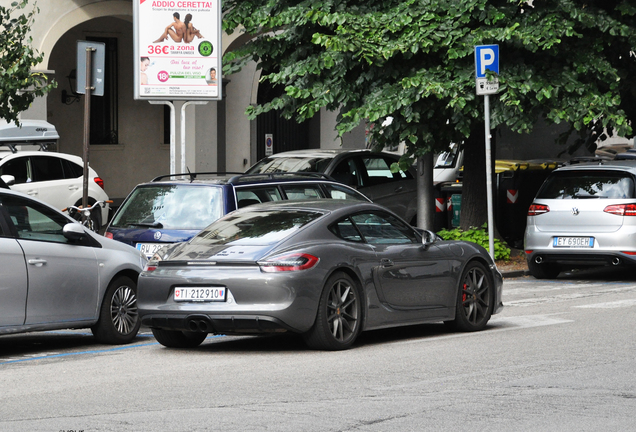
(254, 228)
(592, 184)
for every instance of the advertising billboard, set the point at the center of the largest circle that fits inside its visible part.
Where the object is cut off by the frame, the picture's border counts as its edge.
(177, 49)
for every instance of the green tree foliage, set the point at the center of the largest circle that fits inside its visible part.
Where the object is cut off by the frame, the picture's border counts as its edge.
(413, 60)
(19, 86)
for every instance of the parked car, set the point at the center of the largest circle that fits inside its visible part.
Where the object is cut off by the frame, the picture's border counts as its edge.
(368, 172)
(327, 269)
(5, 180)
(173, 208)
(55, 274)
(55, 178)
(583, 215)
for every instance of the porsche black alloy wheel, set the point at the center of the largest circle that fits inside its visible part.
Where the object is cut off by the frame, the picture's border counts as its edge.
(338, 321)
(475, 300)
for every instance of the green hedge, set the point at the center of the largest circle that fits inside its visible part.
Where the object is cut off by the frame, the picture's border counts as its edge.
(479, 236)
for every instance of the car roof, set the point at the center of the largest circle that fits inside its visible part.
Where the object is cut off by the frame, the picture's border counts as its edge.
(323, 153)
(237, 179)
(618, 165)
(73, 158)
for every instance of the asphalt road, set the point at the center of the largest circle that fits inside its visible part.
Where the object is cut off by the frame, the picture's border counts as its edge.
(559, 357)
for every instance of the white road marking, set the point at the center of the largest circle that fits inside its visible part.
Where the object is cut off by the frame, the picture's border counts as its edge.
(526, 321)
(498, 324)
(610, 305)
(566, 296)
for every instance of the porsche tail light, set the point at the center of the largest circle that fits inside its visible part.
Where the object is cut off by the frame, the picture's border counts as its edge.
(621, 209)
(538, 209)
(288, 262)
(99, 182)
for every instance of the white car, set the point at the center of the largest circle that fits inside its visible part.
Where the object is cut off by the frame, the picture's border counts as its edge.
(583, 216)
(55, 178)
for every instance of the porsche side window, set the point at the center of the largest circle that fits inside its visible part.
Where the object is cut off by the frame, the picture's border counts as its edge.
(383, 229)
(346, 230)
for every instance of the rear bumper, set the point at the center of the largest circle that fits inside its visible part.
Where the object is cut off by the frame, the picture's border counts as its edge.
(218, 324)
(580, 258)
(609, 248)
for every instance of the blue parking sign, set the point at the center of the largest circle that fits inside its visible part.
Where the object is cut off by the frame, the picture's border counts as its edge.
(486, 58)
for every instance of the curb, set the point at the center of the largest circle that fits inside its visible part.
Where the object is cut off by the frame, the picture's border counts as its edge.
(515, 273)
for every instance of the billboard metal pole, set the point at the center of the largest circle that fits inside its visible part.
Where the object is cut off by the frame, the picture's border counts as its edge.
(173, 140)
(183, 131)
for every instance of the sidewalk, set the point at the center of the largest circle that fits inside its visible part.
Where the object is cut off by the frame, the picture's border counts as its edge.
(516, 266)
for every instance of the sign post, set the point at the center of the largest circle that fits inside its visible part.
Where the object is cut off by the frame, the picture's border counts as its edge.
(90, 81)
(487, 59)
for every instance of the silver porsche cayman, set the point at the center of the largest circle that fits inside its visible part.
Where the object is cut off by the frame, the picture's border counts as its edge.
(324, 268)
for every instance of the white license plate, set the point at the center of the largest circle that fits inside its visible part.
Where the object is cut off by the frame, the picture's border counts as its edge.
(204, 294)
(149, 249)
(574, 242)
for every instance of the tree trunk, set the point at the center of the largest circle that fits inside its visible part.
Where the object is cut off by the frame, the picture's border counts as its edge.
(425, 194)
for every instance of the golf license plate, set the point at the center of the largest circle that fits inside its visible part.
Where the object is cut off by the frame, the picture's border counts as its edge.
(203, 294)
(149, 249)
(574, 242)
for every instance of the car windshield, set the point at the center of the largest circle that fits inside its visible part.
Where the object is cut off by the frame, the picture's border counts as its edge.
(254, 228)
(187, 207)
(587, 185)
(290, 164)
(448, 159)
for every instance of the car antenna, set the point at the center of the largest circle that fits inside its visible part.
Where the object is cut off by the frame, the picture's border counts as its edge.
(192, 176)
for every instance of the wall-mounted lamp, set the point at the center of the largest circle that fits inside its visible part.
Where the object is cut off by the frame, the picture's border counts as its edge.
(73, 96)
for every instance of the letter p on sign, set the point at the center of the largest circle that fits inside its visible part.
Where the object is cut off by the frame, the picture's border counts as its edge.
(486, 58)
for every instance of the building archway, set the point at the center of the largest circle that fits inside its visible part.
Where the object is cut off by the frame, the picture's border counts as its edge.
(79, 15)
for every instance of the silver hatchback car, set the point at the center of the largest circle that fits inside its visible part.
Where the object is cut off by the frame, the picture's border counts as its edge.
(56, 274)
(583, 215)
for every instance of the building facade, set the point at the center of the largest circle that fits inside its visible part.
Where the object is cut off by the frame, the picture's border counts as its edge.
(130, 139)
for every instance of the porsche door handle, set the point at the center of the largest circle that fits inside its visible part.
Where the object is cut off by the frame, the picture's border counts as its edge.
(37, 262)
(385, 262)
(398, 189)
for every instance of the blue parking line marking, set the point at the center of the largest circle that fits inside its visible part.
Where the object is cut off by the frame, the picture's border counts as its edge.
(91, 351)
(78, 353)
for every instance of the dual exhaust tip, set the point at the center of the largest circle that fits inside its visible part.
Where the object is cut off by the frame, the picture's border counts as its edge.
(200, 325)
(615, 261)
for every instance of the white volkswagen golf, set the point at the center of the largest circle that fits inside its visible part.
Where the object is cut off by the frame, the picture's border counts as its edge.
(583, 215)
